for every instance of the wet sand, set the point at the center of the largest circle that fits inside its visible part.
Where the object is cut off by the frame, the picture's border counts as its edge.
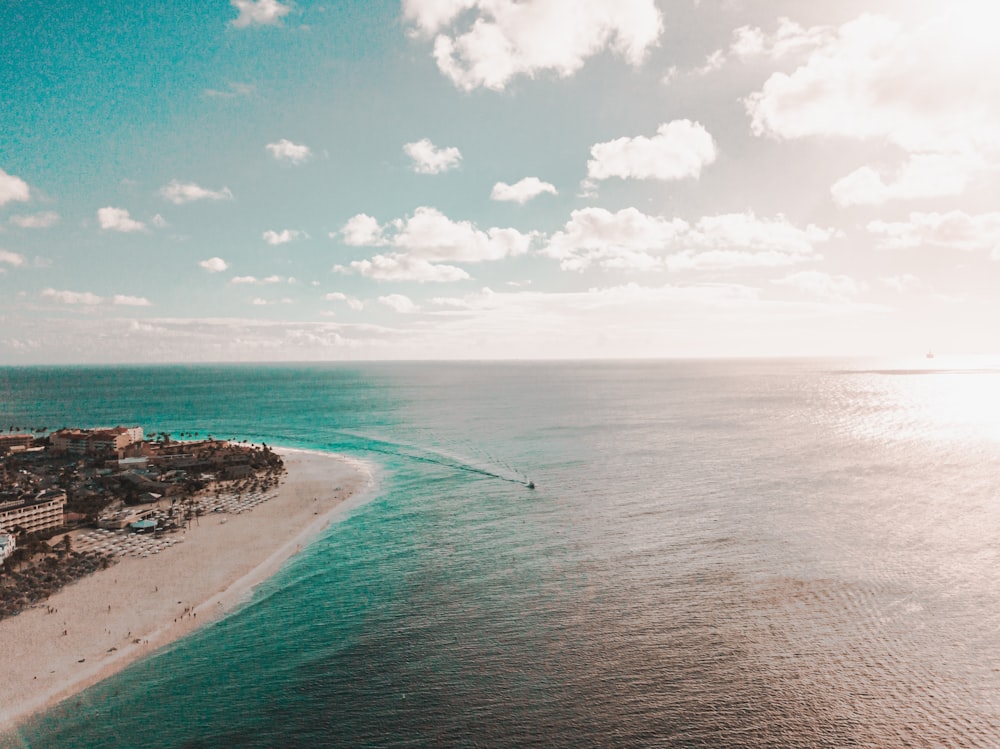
(96, 626)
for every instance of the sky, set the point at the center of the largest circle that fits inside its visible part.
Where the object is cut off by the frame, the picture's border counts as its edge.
(259, 180)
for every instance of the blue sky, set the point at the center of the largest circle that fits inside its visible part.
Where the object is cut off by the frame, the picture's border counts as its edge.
(260, 180)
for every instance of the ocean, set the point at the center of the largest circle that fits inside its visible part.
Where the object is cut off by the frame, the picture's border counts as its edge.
(716, 554)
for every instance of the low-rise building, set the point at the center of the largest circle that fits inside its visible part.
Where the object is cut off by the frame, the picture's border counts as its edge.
(130, 464)
(41, 513)
(124, 518)
(15, 442)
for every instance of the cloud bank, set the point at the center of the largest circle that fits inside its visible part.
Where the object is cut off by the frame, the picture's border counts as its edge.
(425, 241)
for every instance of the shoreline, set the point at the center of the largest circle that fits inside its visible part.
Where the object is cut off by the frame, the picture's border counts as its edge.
(100, 624)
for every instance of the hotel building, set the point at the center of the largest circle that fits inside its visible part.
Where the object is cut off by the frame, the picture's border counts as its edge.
(38, 514)
(95, 441)
(15, 442)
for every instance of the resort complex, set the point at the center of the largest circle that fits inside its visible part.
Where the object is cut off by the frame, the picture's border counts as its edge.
(138, 544)
(72, 500)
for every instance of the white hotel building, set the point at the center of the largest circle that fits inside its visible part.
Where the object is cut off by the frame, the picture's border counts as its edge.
(38, 514)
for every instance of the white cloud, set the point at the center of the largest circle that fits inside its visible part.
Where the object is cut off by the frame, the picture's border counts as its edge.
(118, 219)
(432, 15)
(522, 191)
(122, 338)
(36, 220)
(403, 268)
(399, 303)
(921, 89)
(253, 280)
(924, 175)
(430, 235)
(285, 150)
(822, 285)
(11, 258)
(258, 12)
(13, 189)
(748, 41)
(284, 236)
(696, 260)
(20, 344)
(234, 90)
(540, 305)
(214, 265)
(588, 189)
(426, 238)
(185, 192)
(625, 239)
(130, 301)
(678, 150)
(632, 240)
(337, 296)
(635, 320)
(158, 221)
(746, 231)
(89, 299)
(429, 159)
(489, 42)
(631, 320)
(751, 43)
(953, 230)
(713, 62)
(72, 297)
(836, 92)
(361, 230)
(789, 39)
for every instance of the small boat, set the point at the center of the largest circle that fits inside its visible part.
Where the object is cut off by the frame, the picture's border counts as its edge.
(531, 484)
(930, 354)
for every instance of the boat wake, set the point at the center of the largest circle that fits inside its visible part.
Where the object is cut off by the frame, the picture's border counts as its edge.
(493, 469)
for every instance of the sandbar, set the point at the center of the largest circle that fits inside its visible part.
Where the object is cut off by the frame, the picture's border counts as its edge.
(96, 626)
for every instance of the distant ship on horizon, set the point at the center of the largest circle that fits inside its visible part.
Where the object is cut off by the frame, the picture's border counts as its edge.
(930, 354)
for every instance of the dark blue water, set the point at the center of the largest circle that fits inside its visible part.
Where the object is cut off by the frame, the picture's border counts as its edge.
(751, 554)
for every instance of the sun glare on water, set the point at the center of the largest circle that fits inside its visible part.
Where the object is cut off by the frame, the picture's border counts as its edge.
(951, 397)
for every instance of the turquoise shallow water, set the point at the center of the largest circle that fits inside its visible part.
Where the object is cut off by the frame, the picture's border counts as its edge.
(758, 554)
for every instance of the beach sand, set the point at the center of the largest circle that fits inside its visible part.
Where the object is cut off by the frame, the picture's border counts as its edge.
(113, 617)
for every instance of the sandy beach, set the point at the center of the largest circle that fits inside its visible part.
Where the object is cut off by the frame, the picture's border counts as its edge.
(95, 627)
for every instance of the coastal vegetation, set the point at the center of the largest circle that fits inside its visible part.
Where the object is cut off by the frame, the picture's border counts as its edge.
(36, 571)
